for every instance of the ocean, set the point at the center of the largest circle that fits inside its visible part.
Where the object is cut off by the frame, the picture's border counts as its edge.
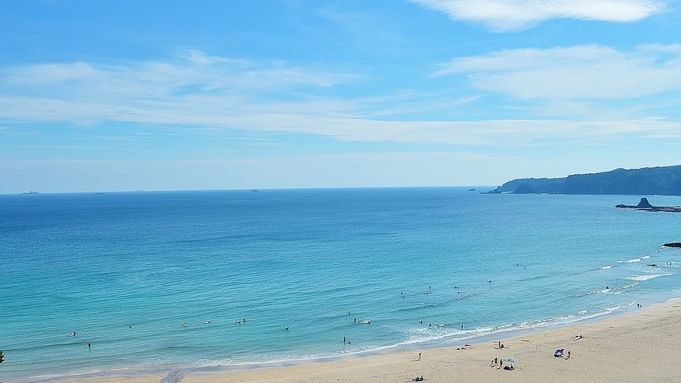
(130, 283)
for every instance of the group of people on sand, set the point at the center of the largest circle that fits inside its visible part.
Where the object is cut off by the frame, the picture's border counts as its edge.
(500, 363)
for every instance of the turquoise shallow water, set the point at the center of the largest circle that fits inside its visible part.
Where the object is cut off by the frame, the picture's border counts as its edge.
(126, 270)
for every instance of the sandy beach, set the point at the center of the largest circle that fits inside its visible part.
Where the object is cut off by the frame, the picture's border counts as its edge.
(633, 347)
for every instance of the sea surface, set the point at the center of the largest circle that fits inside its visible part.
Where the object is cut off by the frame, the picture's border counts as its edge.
(280, 276)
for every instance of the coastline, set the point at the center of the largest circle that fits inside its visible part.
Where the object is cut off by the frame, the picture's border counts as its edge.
(635, 346)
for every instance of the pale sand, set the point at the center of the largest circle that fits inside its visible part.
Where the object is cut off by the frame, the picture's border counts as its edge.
(642, 346)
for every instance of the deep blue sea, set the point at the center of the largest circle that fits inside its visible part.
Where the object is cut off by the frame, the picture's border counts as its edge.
(384, 268)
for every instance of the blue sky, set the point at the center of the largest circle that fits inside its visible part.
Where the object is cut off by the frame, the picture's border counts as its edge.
(157, 95)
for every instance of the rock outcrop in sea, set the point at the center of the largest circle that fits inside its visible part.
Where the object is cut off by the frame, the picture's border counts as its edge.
(646, 206)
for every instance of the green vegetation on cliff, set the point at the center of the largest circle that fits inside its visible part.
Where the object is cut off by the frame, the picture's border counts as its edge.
(651, 181)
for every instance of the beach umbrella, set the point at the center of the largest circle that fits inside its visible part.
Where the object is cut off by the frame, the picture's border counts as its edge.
(511, 360)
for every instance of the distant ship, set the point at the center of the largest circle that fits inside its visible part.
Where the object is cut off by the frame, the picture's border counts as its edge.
(473, 189)
(31, 192)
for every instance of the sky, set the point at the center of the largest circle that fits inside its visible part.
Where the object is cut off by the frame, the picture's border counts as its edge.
(121, 95)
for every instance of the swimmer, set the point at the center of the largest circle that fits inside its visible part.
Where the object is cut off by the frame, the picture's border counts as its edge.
(185, 324)
(287, 328)
(207, 322)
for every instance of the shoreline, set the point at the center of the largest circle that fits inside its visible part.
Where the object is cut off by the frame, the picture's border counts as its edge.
(628, 347)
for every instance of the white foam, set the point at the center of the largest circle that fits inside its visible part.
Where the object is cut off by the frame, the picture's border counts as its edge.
(647, 277)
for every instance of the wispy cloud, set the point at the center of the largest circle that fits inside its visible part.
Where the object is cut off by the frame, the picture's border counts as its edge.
(515, 15)
(219, 93)
(578, 72)
(193, 72)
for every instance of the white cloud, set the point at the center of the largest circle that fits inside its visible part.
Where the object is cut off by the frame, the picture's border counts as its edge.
(195, 71)
(187, 116)
(515, 15)
(227, 96)
(578, 72)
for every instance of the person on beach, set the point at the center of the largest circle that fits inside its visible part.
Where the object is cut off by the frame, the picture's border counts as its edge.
(344, 340)
(419, 356)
